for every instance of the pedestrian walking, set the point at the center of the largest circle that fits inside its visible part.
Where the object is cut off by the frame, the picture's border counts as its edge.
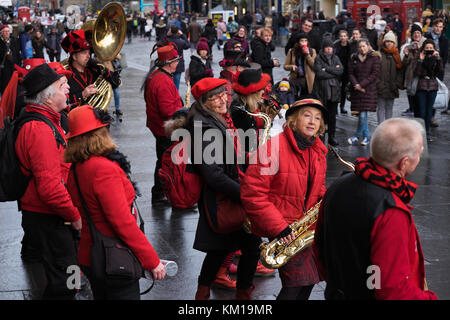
(176, 36)
(328, 70)
(364, 68)
(275, 199)
(38, 42)
(390, 77)
(382, 237)
(103, 179)
(53, 45)
(194, 33)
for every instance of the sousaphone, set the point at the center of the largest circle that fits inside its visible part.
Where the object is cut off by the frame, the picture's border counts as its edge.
(106, 35)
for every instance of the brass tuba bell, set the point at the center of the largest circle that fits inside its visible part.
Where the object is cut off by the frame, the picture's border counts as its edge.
(108, 33)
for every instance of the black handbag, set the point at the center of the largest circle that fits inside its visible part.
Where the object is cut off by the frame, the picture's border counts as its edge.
(111, 260)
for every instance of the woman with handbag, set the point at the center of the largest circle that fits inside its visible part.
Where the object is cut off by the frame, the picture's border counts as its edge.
(220, 197)
(428, 67)
(279, 186)
(100, 184)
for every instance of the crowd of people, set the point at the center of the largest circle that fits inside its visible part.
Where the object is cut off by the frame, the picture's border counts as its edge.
(83, 181)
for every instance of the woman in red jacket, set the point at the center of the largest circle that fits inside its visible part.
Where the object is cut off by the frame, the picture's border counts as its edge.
(103, 175)
(273, 199)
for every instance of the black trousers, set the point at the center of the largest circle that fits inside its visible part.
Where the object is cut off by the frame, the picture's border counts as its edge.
(103, 291)
(162, 144)
(331, 117)
(51, 243)
(249, 245)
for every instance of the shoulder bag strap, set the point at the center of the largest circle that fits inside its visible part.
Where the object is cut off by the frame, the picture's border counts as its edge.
(92, 228)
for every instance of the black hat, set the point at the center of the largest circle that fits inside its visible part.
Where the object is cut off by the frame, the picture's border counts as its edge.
(414, 28)
(308, 102)
(38, 79)
(327, 42)
(250, 81)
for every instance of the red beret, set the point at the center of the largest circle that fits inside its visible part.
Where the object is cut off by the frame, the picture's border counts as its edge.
(206, 84)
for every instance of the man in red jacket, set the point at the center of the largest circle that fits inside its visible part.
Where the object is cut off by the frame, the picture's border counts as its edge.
(162, 100)
(365, 238)
(48, 215)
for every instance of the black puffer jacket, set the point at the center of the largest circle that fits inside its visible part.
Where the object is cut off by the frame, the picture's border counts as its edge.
(199, 69)
(262, 54)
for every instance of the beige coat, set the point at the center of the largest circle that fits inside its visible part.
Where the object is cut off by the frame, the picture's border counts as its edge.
(290, 62)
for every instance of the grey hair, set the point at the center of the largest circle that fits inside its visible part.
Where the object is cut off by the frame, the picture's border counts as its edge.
(41, 97)
(394, 139)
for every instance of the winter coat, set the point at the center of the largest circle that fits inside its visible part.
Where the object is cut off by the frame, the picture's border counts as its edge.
(210, 33)
(219, 178)
(262, 54)
(243, 41)
(273, 200)
(109, 195)
(366, 74)
(38, 152)
(390, 78)
(285, 97)
(199, 69)
(443, 48)
(182, 43)
(428, 70)
(327, 82)
(162, 100)
(291, 60)
(343, 52)
(409, 61)
(195, 32)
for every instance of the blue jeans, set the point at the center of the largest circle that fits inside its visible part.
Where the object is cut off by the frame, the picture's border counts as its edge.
(116, 98)
(176, 80)
(363, 126)
(425, 102)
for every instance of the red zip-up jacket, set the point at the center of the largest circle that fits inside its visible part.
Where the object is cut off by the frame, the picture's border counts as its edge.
(38, 152)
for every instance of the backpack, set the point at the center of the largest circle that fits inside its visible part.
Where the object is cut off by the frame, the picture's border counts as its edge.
(13, 182)
(181, 185)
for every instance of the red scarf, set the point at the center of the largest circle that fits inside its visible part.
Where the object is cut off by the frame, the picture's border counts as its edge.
(234, 134)
(370, 171)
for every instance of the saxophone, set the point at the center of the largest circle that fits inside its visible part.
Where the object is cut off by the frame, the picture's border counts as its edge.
(276, 253)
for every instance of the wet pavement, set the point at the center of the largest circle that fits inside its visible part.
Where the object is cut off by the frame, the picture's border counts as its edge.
(172, 232)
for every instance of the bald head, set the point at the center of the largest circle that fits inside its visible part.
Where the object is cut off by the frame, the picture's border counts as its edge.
(395, 139)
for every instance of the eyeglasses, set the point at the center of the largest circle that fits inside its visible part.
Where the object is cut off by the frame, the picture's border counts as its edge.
(237, 47)
(219, 97)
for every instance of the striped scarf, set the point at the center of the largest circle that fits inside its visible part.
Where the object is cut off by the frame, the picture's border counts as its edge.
(370, 171)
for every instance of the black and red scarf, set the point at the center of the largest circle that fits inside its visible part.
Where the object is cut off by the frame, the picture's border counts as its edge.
(235, 136)
(370, 171)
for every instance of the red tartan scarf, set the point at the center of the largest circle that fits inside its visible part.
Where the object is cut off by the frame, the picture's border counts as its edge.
(370, 171)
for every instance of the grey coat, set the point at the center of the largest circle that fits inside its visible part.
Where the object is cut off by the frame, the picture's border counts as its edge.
(328, 77)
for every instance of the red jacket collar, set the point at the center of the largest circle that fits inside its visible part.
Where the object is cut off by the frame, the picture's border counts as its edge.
(317, 146)
(44, 110)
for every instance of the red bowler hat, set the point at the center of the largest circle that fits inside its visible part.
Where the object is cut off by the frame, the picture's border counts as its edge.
(168, 54)
(28, 65)
(206, 84)
(250, 81)
(59, 69)
(76, 41)
(83, 119)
